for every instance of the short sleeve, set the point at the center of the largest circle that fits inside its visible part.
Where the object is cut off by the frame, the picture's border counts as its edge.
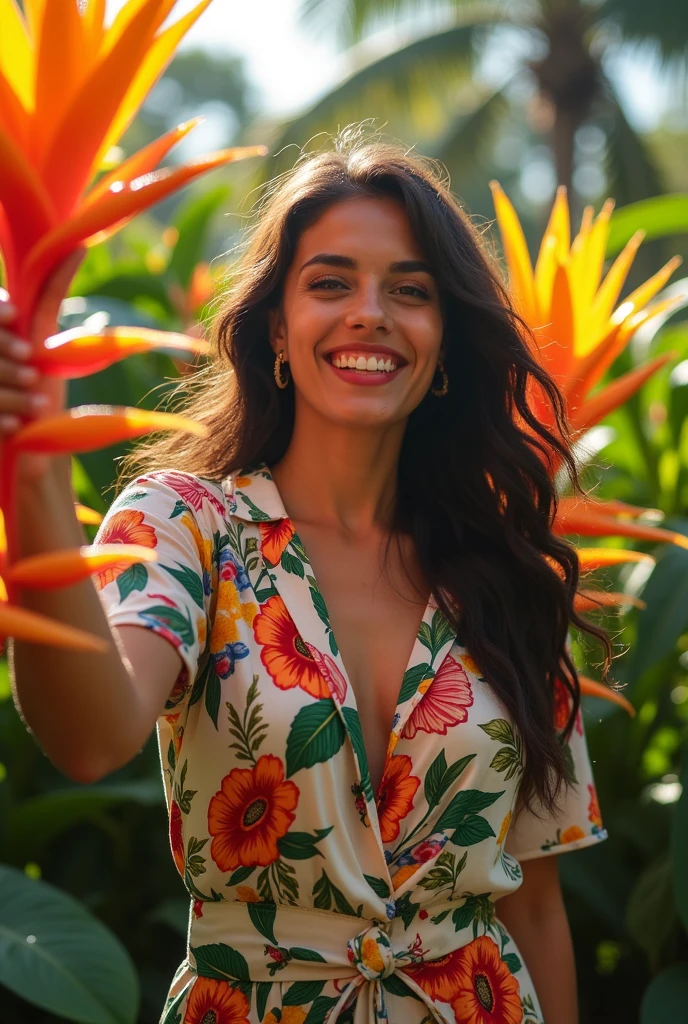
(579, 822)
(171, 595)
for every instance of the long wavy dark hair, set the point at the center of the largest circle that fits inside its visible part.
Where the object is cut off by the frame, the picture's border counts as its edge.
(483, 530)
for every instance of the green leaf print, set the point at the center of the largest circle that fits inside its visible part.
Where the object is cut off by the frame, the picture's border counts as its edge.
(570, 765)
(217, 960)
(468, 801)
(170, 1015)
(256, 514)
(396, 987)
(263, 919)
(316, 735)
(509, 758)
(249, 731)
(406, 910)
(412, 680)
(320, 1009)
(190, 580)
(353, 724)
(213, 692)
(290, 563)
(133, 578)
(204, 673)
(506, 760)
(379, 886)
(440, 778)
(179, 507)
(307, 955)
(173, 620)
(240, 875)
(263, 989)
(499, 729)
(512, 962)
(473, 829)
(301, 992)
(328, 896)
(302, 845)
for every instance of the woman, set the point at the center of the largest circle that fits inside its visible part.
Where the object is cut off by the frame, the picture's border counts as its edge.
(355, 635)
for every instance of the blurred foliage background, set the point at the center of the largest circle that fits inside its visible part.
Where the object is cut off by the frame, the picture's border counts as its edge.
(96, 859)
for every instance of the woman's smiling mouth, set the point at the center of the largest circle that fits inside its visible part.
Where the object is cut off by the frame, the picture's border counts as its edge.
(362, 366)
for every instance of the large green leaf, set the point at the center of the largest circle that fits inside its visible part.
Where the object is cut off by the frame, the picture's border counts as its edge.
(35, 822)
(192, 220)
(666, 997)
(56, 955)
(665, 618)
(679, 848)
(659, 217)
(651, 913)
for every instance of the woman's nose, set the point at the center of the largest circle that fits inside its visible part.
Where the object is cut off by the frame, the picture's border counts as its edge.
(367, 311)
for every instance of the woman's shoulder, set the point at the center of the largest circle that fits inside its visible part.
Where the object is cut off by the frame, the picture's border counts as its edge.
(189, 491)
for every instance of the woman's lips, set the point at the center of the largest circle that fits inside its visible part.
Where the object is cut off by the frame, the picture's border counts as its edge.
(366, 378)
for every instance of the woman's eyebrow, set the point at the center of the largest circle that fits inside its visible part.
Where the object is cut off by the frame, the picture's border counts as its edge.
(400, 267)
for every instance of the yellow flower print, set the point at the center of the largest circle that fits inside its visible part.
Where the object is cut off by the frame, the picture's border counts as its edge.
(371, 957)
(243, 481)
(425, 685)
(225, 631)
(249, 610)
(203, 546)
(402, 875)
(571, 834)
(469, 664)
(202, 629)
(247, 894)
(290, 1015)
(504, 829)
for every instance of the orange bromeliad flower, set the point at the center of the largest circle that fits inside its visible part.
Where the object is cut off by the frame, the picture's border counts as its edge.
(284, 652)
(69, 88)
(579, 331)
(215, 1000)
(253, 809)
(395, 796)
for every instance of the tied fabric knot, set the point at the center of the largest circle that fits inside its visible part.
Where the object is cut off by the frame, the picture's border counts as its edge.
(371, 953)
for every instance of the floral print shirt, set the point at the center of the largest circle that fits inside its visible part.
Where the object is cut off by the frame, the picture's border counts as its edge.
(312, 898)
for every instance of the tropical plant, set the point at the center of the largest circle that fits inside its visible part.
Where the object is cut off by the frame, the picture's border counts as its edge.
(429, 79)
(69, 87)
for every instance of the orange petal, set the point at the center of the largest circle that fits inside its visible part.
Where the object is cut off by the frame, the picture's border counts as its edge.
(60, 68)
(122, 202)
(558, 351)
(589, 524)
(554, 250)
(154, 63)
(86, 515)
(16, 58)
(25, 200)
(32, 627)
(94, 18)
(89, 427)
(68, 161)
(614, 394)
(599, 558)
(521, 282)
(141, 162)
(593, 600)
(63, 568)
(609, 291)
(14, 119)
(595, 689)
(79, 352)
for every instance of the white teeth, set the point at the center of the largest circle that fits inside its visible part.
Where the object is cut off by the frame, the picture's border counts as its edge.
(371, 363)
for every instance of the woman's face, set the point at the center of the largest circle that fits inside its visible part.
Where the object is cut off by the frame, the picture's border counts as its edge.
(360, 321)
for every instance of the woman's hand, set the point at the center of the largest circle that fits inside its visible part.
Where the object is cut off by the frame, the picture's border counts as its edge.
(24, 392)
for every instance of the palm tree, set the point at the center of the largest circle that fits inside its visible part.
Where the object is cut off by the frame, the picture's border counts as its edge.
(562, 47)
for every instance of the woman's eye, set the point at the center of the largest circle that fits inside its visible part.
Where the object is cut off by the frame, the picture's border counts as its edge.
(326, 282)
(415, 290)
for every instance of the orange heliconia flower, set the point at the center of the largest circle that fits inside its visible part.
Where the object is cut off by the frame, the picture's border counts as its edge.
(284, 652)
(212, 999)
(395, 796)
(252, 810)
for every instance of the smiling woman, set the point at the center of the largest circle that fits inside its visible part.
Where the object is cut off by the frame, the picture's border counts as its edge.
(375, 706)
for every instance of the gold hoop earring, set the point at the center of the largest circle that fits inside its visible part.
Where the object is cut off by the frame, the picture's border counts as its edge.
(439, 392)
(278, 370)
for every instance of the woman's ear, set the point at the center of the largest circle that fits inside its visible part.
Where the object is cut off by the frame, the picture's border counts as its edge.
(277, 331)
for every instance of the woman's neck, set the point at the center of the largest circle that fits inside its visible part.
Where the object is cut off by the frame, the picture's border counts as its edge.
(340, 476)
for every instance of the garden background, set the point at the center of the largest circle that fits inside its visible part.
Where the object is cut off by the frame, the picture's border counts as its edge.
(591, 94)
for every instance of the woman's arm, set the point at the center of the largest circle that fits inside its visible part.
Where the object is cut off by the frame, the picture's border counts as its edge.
(536, 918)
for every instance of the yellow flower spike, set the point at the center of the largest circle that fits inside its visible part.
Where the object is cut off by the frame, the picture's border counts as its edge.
(516, 253)
(647, 291)
(598, 558)
(65, 567)
(603, 303)
(94, 18)
(15, 53)
(553, 250)
(79, 352)
(89, 427)
(87, 516)
(60, 70)
(39, 629)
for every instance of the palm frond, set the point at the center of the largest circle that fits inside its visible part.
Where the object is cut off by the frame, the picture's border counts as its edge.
(631, 171)
(464, 145)
(412, 86)
(662, 23)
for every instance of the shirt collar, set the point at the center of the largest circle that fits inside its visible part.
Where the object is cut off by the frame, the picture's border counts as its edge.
(253, 495)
